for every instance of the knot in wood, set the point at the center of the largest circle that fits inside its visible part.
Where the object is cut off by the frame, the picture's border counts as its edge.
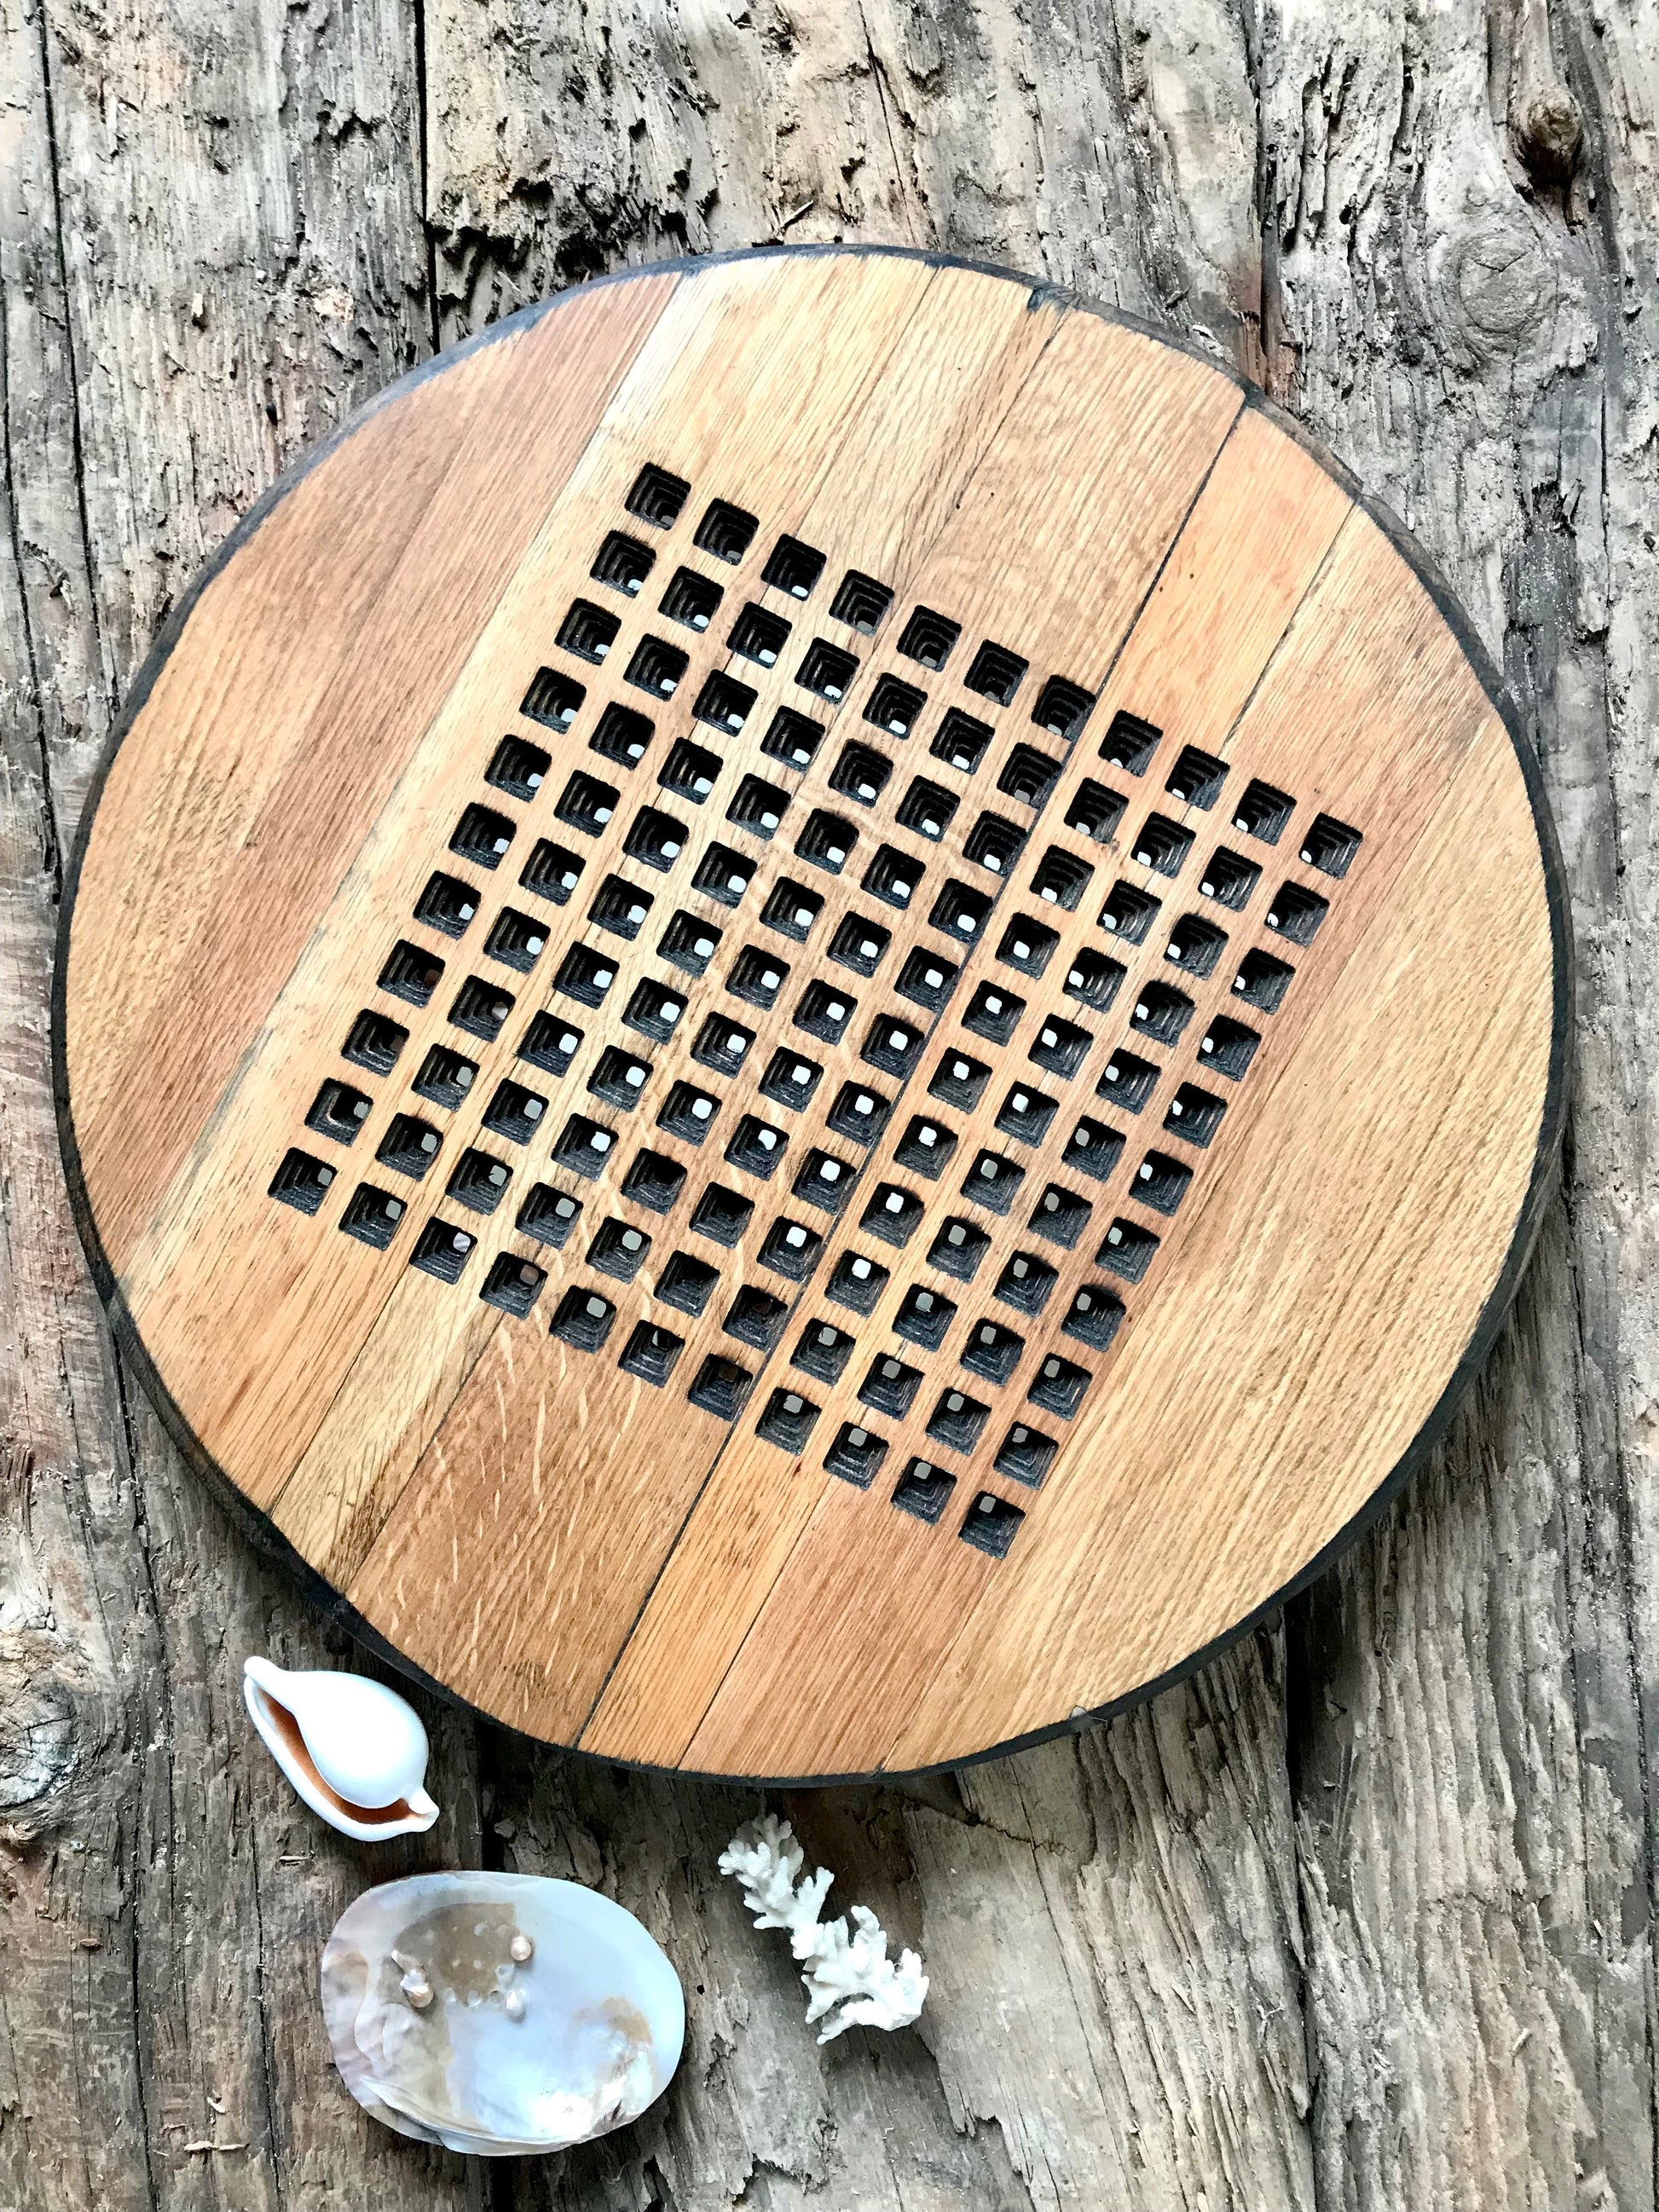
(1503, 281)
(1549, 133)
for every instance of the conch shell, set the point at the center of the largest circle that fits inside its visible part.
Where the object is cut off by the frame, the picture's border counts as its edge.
(356, 1751)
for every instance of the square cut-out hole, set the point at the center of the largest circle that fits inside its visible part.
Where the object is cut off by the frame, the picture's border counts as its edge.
(1093, 1317)
(584, 1319)
(857, 1283)
(1025, 1115)
(958, 1080)
(1129, 743)
(658, 496)
(1062, 708)
(995, 672)
(1061, 879)
(688, 1113)
(1228, 1047)
(993, 1351)
(588, 631)
(479, 1181)
(1229, 878)
(654, 1010)
(758, 807)
(894, 706)
(1194, 1114)
(790, 1079)
(620, 1077)
(757, 976)
(442, 1250)
(827, 840)
(824, 1011)
(1059, 1386)
(375, 1041)
(962, 740)
(372, 1216)
(860, 774)
(924, 1489)
(792, 739)
(860, 944)
(690, 943)
(759, 635)
(994, 843)
(1128, 1251)
(656, 840)
(824, 1181)
(756, 1317)
(585, 975)
(514, 1284)
(1263, 812)
(687, 1283)
(928, 637)
(726, 530)
(514, 1112)
(1093, 1150)
(650, 1352)
(1162, 845)
(826, 670)
(481, 1008)
(859, 1113)
(793, 568)
(754, 1147)
(926, 979)
(788, 1421)
(653, 1182)
(991, 1524)
(585, 1146)
(1262, 981)
(893, 1214)
(447, 904)
(411, 973)
(1330, 846)
(722, 1215)
(552, 871)
(960, 911)
(790, 1250)
(622, 734)
(856, 1455)
(516, 939)
(1197, 777)
(1297, 913)
(1028, 776)
(553, 699)
(1093, 980)
(586, 804)
(791, 909)
(619, 1249)
(482, 835)
(549, 1216)
(1162, 1013)
(1129, 913)
(889, 1386)
(959, 1249)
(957, 1421)
(1026, 1283)
(1094, 811)
(927, 809)
(822, 1352)
(519, 768)
(550, 1042)
(860, 602)
(926, 1146)
(993, 1013)
(892, 1045)
(925, 1317)
(691, 770)
(1028, 945)
(1061, 1216)
(303, 1182)
(1128, 1081)
(992, 1181)
(623, 563)
(1195, 945)
(724, 703)
(339, 1110)
(1026, 1455)
(1159, 1183)
(691, 599)
(657, 668)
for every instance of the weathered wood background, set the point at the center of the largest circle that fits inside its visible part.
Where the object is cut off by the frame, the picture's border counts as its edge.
(1364, 1917)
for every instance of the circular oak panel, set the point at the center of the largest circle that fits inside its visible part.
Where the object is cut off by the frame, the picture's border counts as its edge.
(812, 1010)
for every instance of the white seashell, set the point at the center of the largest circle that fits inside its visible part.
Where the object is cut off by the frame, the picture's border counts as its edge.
(356, 1751)
(517, 2051)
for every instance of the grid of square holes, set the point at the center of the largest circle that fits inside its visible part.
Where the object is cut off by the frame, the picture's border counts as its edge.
(845, 1014)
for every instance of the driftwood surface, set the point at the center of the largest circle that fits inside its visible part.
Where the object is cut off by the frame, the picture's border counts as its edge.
(1364, 1914)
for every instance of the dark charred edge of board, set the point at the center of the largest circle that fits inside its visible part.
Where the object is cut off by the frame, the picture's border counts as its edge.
(270, 1540)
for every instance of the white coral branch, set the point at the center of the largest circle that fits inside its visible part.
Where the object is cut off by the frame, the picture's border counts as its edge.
(853, 1971)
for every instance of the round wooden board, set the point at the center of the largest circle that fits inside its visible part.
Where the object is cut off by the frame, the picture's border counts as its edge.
(812, 1011)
